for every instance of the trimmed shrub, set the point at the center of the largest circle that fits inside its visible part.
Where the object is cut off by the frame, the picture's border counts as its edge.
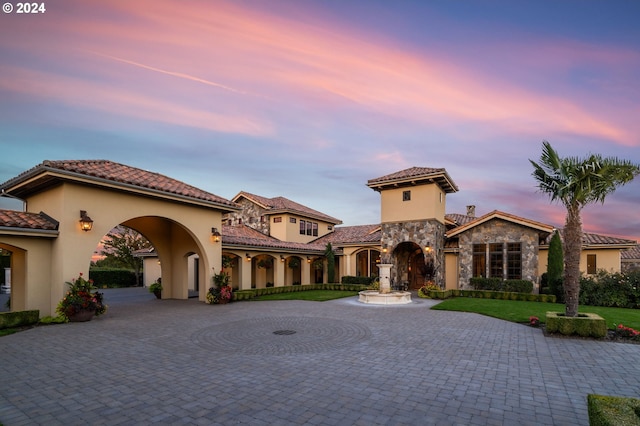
(584, 325)
(350, 279)
(613, 410)
(496, 284)
(18, 319)
(112, 277)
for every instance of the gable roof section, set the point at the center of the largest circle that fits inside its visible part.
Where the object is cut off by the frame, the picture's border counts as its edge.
(279, 205)
(244, 237)
(458, 219)
(17, 222)
(345, 235)
(632, 254)
(413, 176)
(496, 214)
(107, 174)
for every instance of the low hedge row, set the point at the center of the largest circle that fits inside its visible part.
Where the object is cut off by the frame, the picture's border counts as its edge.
(487, 294)
(613, 410)
(18, 319)
(256, 292)
(113, 278)
(497, 284)
(350, 279)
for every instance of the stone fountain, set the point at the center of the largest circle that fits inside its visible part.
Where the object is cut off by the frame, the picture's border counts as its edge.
(385, 296)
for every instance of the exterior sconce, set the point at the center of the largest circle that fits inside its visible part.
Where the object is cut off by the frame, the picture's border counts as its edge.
(85, 221)
(248, 257)
(216, 235)
(428, 248)
(384, 248)
(281, 258)
(308, 259)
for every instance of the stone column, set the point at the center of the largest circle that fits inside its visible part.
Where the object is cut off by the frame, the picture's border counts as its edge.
(385, 274)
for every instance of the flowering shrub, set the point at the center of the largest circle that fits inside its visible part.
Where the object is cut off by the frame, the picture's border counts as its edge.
(221, 292)
(534, 321)
(81, 298)
(627, 332)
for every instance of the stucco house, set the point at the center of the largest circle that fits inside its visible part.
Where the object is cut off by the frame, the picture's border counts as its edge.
(261, 241)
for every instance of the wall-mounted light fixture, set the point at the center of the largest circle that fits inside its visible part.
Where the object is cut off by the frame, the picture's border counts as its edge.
(85, 221)
(384, 248)
(428, 247)
(216, 235)
(248, 257)
(281, 258)
(308, 259)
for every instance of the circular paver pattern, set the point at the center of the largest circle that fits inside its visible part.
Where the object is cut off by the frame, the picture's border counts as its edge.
(280, 335)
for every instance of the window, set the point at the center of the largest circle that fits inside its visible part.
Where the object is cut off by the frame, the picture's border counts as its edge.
(591, 264)
(479, 260)
(292, 220)
(514, 261)
(308, 228)
(277, 219)
(406, 195)
(496, 261)
(329, 228)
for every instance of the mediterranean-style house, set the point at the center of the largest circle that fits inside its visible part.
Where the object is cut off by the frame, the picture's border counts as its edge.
(261, 241)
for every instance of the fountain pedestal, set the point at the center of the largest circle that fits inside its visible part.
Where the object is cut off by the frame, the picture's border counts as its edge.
(385, 296)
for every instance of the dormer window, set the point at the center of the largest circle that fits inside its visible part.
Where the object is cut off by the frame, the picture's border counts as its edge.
(406, 195)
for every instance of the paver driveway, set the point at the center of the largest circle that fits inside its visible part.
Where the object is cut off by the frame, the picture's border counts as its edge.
(294, 362)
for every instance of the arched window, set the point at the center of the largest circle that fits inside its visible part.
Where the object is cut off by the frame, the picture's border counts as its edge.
(367, 263)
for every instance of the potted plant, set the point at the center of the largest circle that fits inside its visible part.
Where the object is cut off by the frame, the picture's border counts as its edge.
(294, 262)
(221, 291)
(156, 288)
(81, 303)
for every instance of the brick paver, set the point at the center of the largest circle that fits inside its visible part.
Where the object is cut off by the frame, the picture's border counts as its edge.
(153, 361)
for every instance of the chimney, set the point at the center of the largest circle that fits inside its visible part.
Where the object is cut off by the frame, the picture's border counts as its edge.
(471, 211)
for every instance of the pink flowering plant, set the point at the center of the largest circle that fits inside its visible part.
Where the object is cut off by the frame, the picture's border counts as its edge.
(81, 297)
(534, 321)
(627, 332)
(221, 291)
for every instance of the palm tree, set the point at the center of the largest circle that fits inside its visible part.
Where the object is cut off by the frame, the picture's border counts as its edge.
(576, 182)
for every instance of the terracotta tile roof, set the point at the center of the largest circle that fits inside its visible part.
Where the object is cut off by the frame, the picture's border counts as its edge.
(105, 170)
(24, 220)
(632, 253)
(352, 234)
(459, 219)
(281, 204)
(591, 239)
(415, 175)
(242, 235)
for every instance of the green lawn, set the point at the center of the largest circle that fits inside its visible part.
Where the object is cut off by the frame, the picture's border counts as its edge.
(517, 311)
(312, 295)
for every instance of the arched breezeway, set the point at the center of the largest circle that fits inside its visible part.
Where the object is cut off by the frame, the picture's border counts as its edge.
(176, 218)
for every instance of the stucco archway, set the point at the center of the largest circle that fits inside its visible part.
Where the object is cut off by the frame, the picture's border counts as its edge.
(177, 218)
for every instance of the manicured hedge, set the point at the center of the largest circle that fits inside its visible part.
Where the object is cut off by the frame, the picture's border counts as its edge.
(113, 278)
(487, 294)
(497, 284)
(18, 319)
(350, 279)
(585, 324)
(613, 410)
(256, 292)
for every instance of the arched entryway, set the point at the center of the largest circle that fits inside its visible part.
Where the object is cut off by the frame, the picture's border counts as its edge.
(179, 220)
(412, 266)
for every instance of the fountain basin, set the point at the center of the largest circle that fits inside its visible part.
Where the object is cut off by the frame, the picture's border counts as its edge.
(374, 297)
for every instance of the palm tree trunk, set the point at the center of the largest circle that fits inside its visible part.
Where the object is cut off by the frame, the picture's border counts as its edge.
(572, 250)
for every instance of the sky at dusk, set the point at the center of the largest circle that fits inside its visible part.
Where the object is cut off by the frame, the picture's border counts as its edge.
(310, 99)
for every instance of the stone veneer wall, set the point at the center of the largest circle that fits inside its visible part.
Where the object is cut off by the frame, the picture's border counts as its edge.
(423, 233)
(499, 231)
(251, 215)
